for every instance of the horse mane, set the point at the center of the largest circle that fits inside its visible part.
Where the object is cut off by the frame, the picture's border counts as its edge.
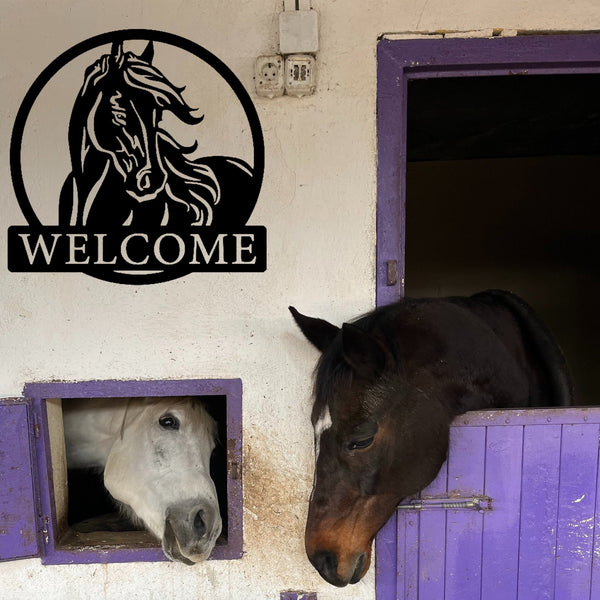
(332, 370)
(140, 74)
(193, 183)
(542, 348)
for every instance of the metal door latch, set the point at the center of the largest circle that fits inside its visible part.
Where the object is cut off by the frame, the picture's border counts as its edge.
(478, 503)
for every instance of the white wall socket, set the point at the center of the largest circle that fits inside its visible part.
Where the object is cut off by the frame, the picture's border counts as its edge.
(268, 76)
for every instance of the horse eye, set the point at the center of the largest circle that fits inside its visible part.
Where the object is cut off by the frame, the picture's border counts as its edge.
(361, 444)
(169, 422)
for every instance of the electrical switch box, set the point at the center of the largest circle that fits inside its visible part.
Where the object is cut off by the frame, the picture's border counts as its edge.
(298, 31)
(300, 75)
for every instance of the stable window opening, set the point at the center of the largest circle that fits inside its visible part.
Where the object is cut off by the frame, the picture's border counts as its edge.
(77, 521)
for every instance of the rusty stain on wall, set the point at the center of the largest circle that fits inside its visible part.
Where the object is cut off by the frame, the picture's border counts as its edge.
(276, 492)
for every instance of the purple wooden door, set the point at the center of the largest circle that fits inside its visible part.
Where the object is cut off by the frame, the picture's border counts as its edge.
(541, 538)
(18, 532)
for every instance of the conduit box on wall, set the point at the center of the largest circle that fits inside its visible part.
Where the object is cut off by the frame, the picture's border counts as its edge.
(298, 31)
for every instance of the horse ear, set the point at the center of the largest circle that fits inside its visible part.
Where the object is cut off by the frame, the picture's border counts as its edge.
(148, 54)
(362, 352)
(116, 51)
(318, 332)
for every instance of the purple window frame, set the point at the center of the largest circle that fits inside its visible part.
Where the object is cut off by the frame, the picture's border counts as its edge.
(398, 61)
(37, 394)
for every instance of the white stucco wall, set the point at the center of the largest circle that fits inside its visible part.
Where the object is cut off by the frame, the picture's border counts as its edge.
(318, 205)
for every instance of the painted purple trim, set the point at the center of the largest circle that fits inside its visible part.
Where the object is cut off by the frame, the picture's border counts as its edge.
(38, 393)
(391, 169)
(463, 579)
(397, 62)
(116, 388)
(539, 511)
(576, 508)
(595, 575)
(502, 526)
(529, 416)
(432, 560)
(298, 596)
(235, 497)
(386, 560)
(18, 527)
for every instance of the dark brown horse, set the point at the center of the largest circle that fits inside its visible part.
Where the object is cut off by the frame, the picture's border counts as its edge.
(387, 388)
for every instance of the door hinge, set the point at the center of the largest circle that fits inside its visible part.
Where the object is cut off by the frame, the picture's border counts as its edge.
(478, 503)
(392, 272)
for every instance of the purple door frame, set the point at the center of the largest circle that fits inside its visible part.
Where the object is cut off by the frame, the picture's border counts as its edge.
(398, 61)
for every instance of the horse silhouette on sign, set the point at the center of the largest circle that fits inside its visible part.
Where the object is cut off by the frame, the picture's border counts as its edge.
(127, 170)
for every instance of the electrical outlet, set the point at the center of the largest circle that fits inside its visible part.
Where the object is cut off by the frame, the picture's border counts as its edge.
(300, 75)
(268, 76)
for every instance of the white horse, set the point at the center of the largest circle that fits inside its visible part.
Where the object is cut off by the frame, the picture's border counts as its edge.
(155, 453)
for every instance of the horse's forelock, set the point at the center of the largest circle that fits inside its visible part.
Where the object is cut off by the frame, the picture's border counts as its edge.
(331, 372)
(210, 423)
(94, 73)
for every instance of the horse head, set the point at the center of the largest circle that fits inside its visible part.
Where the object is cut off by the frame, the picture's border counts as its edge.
(159, 467)
(377, 440)
(118, 112)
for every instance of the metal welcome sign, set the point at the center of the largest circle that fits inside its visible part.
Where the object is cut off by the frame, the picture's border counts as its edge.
(122, 175)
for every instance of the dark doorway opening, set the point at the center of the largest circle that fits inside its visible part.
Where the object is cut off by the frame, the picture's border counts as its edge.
(502, 192)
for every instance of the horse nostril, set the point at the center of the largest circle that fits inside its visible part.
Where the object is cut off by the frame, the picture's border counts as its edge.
(326, 563)
(199, 525)
(144, 182)
(358, 569)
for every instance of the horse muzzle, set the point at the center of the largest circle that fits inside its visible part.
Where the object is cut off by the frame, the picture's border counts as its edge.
(145, 184)
(191, 531)
(340, 571)
(339, 546)
(339, 556)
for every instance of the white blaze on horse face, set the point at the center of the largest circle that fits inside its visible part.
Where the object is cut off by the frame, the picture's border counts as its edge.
(323, 424)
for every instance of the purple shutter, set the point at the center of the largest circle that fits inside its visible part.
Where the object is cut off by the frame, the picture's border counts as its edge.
(542, 537)
(18, 532)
